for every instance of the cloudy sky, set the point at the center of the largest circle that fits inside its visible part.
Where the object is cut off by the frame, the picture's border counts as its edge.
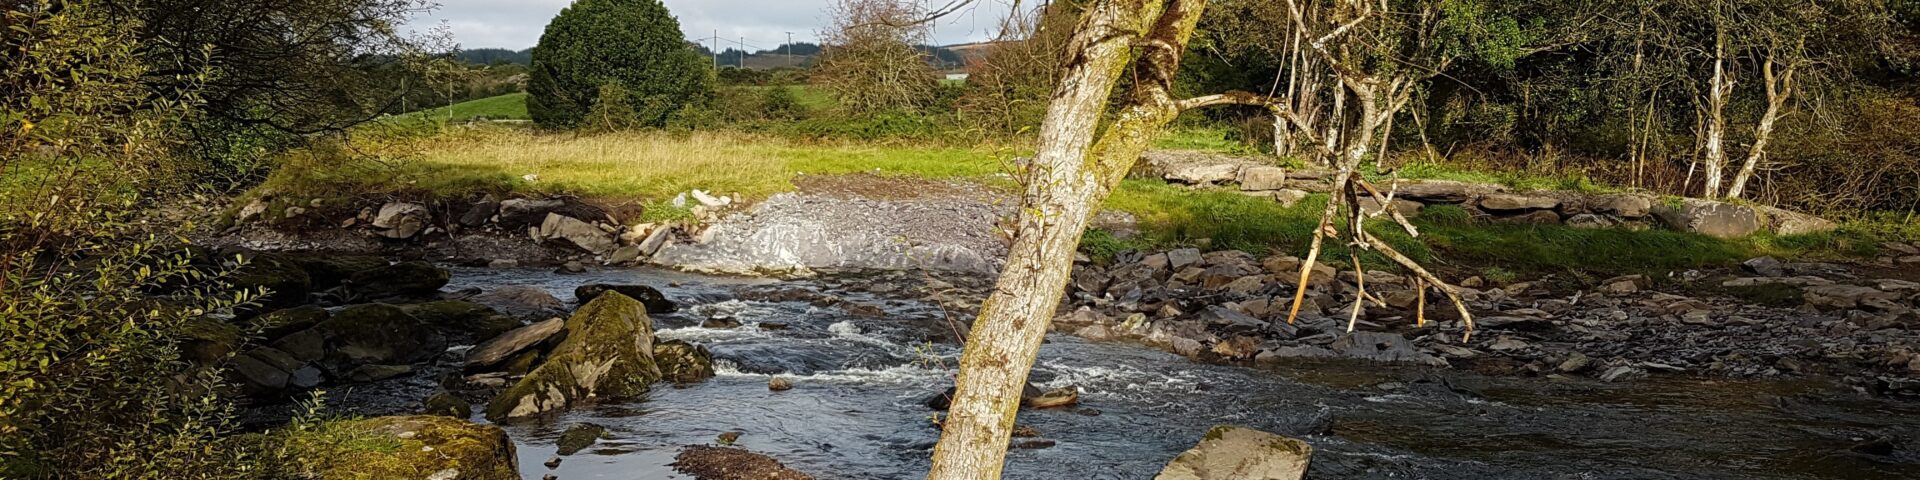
(516, 24)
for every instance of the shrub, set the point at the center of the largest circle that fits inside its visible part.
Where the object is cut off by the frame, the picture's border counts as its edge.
(635, 44)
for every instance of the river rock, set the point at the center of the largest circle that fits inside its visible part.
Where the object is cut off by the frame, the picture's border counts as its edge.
(473, 319)
(726, 463)
(511, 343)
(414, 278)
(1765, 267)
(285, 284)
(578, 437)
(579, 233)
(653, 299)
(1061, 397)
(608, 354)
(1236, 453)
(1180, 258)
(426, 447)
(401, 220)
(280, 323)
(1710, 218)
(445, 403)
(1381, 347)
(373, 334)
(522, 302)
(1846, 296)
(480, 211)
(207, 341)
(520, 213)
(682, 362)
(328, 271)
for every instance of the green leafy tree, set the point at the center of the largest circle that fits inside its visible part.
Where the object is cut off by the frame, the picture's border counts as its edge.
(635, 44)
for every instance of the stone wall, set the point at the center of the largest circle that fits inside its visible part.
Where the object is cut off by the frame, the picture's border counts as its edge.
(1489, 203)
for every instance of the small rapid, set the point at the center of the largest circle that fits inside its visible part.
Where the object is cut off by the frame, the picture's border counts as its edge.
(860, 382)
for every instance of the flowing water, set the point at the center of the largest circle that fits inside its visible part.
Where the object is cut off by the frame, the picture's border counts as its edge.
(857, 411)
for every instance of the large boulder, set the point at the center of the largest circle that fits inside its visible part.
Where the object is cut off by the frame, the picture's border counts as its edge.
(415, 278)
(471, 319)
(522, 302)
(207, 341)
(328, 271)
(1237, 453)
(1623, 205)
(653, 299)
(285, 284)
(1262, 178)
(1787, 222)
(1203, 174)
(1710, 218)
(401, 220)
(522, 212)
(428, 447)
(608, 353)
(509, 344)
(281, 323)
(374, 334)
(579, 233)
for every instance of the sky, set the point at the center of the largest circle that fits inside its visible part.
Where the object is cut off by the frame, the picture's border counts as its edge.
(516, 24)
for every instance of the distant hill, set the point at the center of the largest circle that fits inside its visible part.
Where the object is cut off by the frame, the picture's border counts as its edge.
(490, 56)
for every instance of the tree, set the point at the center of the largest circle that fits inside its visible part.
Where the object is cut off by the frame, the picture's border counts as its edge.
(1007, 88)
(1084, 151)
(870, 63)
(635, 44)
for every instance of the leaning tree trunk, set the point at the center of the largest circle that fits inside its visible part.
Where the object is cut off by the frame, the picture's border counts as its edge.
(1779, 91)
(1716, 120)
(1066, 180)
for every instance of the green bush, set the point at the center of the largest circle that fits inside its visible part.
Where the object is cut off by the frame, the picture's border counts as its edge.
(635, 44)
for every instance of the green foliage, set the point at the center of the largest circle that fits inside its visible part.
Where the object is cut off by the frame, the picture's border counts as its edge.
(611, 111)
(635, 44)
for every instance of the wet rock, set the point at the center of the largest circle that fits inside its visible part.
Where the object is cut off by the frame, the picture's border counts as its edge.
(943, 400)
(1034, 444)
(281, 323)
(522, 302)
(1622, 372)
(430, 447)
(578, 437)
(1381, 347)
(781, 384)
(375, 373)
(472, 319)
(285, 284)
(1061, 397)
(511, 343)
(400, 220)
(328, 271)
(607, 354)
(374, 334)
(730, 463)
(445, 403)
(1710, 218)
(1239, 347)
(720, 323)
(653, 299)
(579, 233)
(682, 362)
(1237, 453)
(413, 278)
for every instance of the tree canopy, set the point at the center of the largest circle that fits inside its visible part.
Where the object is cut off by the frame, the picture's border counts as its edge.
(634, 44)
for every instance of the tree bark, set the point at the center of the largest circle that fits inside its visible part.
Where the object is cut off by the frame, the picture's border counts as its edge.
(1779, 91)
(1716, 120)
(1068, 178)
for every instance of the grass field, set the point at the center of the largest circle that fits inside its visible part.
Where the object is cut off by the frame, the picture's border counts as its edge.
(512, 106)
(649, 167)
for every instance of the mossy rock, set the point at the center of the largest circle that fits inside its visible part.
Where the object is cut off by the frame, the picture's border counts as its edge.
(468, 318)
(414, 447)
(280, 323)
(374, 334)
(206, 341)
(328, 271)
(285, 283)
(578, 437)
(608, 354)
(654, 300)
(413, 278)
(446, 404)
(682, 362)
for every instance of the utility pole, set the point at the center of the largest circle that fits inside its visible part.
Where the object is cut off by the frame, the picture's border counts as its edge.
(743, 52)
(716, 50)
(789, 49)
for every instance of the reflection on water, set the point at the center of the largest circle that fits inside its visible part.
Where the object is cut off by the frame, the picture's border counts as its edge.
(856, 409)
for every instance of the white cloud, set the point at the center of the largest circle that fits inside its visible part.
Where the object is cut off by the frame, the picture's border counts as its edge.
(517, 24)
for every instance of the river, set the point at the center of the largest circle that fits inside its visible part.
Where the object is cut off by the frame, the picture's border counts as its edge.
(857, 411)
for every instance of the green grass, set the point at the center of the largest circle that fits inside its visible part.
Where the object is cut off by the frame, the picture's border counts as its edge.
(512, 106)
(1208, 139)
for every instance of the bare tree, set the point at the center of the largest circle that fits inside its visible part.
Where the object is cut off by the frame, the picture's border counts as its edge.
(1078, 163)
(870, 62)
